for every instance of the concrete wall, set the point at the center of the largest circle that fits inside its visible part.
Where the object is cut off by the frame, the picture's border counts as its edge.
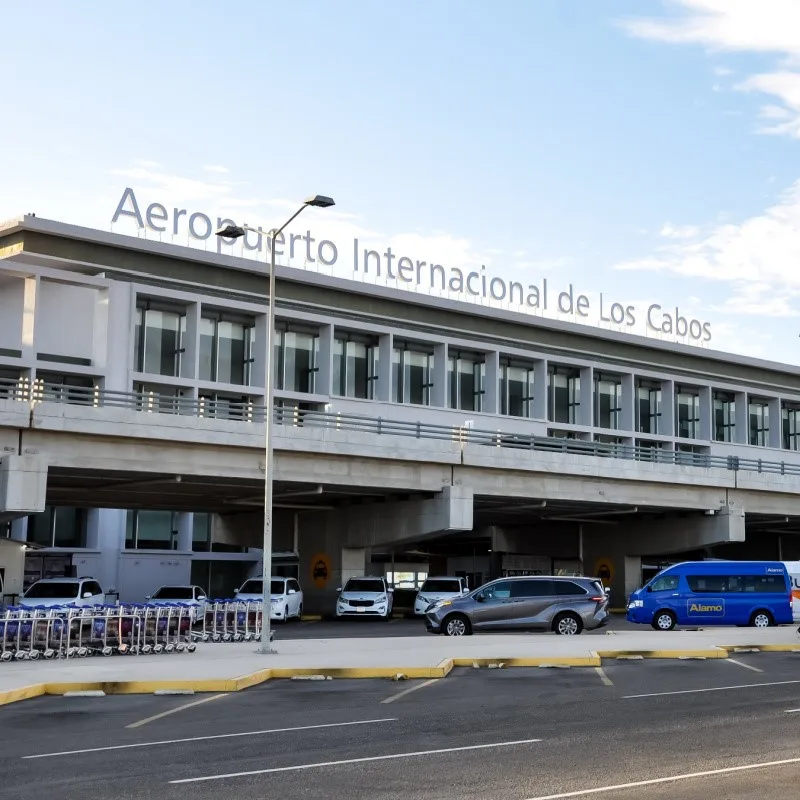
(12, 291)
(57, 303)
(141, 572)
(23, 486)
(12, 562)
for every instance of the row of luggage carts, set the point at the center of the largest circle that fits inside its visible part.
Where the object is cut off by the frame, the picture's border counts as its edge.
(125, 629)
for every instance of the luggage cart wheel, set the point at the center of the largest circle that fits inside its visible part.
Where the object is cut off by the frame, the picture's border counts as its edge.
(146, 649)
(169, 648)
(180, 647)
(48, 654)
(6, 657)
(107, 651)
(190, 648)
(34, 656)
(158, 649)
(83, 652)
(20, 656)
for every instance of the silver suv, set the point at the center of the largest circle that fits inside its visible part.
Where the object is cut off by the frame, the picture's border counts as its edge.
(563, 605)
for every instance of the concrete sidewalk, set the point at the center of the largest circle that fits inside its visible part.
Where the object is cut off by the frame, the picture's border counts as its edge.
(232, 667)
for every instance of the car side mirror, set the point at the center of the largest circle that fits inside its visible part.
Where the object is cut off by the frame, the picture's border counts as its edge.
(87, 595)
(292, 591)
(149, 597)
(201, 597)
(236, 591)
(338, 588)
(391, 591)
(480, 597)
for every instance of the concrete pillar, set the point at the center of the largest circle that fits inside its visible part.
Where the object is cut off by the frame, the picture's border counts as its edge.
(605, 557)
(540, 390)
(668, 425)
(115, 342)
(586, 408)
(190, 358)
(741, 430)
(30, 293)
(706, 425)
(775, 423)
(185, 525)
(440, 391)
(23, 486)
(354, 563)
(105, 531)
(323, 384)
(491, 383)
(385, 392)
(627, 421)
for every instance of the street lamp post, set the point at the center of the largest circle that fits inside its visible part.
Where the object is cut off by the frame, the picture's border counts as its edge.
(236, 232)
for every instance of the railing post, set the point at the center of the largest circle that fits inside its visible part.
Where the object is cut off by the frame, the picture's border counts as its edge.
(379, 426)
(419, 429)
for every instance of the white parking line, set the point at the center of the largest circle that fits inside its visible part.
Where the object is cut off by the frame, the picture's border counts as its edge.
(654, 781)
(410, 689)
(364, 760)
(715, 689)
(741, 664)
(175, 710)
(603, 677)
(209, 738)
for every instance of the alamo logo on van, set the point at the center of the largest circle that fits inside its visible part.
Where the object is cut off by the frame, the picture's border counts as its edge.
(716, 608)
(774, 571)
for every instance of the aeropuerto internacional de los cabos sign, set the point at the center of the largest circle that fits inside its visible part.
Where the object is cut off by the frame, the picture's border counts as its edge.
(408, 273)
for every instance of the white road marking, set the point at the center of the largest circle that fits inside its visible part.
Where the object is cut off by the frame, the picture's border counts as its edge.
(409, 690)
(209, 738)
(715, 689)
(792, 711)
(175, 710)
(654, 781)
(742, 664)
(364, 760)
(603, 677)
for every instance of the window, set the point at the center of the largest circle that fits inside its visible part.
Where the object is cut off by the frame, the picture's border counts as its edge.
(667, 583)
(74, 389)
(565, 391)
(222, 406)
(532, 588)
(151, 530)
(608, 401)
(758, 411)
(226, 350)
(568, 588)
(727, 584)
(365, 585)
(159, 339)
(442, 585)
(791, 428)
(293, 585)
(58, 526)
(355, 366)
(412, 374)
(296, 359)
(724, 416)
(201, 533)
(92, 588)
(516, 388)
(467, 375)
(162, 399)
(497, 591)
(648, 406)
(687, 405)
(53, 590)
(174, 593)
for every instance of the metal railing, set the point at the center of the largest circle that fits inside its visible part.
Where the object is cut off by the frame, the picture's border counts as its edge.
(37, 392)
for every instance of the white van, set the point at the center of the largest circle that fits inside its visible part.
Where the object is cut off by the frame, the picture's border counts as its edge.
(793, 568)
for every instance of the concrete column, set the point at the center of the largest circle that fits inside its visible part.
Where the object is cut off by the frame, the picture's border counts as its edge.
(384, 389)
(741, 431)
(706, 426)
(605, 556)
(185, 524)
(19, 529)
(668, 426)
(190, 358)
(354, 563)
(440, 391)
(259, 352)
(627, 421)
(586, 409)
(30, 293)
(324, 382)
(775, 423)
(540, 390)
(491, 386)
(115, 342)
(105, 531)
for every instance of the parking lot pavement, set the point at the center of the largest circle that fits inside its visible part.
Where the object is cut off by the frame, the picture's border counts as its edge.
(507, 734)
(369, 628)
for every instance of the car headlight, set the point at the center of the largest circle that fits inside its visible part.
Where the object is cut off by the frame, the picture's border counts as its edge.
(274, 600)
(343, 601)
(380, 599)
(424, 600)
(636, 604)
(442, 603)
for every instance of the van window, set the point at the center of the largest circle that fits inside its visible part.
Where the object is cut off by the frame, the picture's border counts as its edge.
(498, 591)
(93, 587)
(441, 585)
(53, 591)
(568, 588)
(667, 583)
(532, 588)
(725, 584)
(174, 593)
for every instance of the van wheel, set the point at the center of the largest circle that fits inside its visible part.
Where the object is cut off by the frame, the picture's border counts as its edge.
(761, 619)
(457, 625)
(567, 624)
(664, 620)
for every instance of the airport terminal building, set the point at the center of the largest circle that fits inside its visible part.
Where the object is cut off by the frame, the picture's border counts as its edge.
(416, 434)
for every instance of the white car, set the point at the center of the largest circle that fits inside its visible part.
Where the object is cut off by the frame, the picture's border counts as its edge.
(368, 597)
(51, 592)
(435, 589)
(193, 596)
(286, 596)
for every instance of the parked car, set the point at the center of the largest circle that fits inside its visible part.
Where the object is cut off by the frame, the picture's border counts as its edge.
(194, 596)
(286, 596)
(434, 589)
(63, 591)
(563, 605)
(365, 596)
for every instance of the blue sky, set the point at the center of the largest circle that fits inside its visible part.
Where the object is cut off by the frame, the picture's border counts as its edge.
(648, 150)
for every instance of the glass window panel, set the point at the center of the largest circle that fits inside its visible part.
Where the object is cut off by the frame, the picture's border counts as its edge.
(417, 378)
(688, 405)
(208, 330)
(299, 361)
(759, 424)
(724, 418)
(154, 530)
(791, 428)
(357, 370)
(338, 366)
(608, 394)
(230, 352)
(162, 342)
(69, 527)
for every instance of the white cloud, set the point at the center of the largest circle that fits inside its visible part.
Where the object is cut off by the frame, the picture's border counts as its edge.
(217, 169)
(670, 231)
(722, 72)
(770, 27)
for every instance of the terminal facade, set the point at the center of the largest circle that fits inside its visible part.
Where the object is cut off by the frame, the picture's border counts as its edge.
(95, 319)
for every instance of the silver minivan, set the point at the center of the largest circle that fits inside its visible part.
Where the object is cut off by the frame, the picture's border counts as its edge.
(563, 605)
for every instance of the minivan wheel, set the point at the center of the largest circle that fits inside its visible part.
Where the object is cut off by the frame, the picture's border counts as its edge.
(664, 621)
(457, 625)
(567, 624)
(761, 619)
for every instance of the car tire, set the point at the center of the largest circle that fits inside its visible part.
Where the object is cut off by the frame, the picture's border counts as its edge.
(761, 619)
(664, 620)
(300, 613)
(567, 624)
(456, 625)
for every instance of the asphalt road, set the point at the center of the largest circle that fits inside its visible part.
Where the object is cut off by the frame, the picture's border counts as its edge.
(353, 627)
(484, 734)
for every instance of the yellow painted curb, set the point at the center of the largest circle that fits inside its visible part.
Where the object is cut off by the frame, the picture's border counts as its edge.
(311, 618)
(23, 693)
(565, 661)
(764, 648)
(711, 652)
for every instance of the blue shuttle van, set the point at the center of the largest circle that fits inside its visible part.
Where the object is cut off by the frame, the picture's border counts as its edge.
(756, 593)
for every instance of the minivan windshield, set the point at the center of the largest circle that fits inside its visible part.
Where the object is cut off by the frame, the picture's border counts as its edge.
(255, 586)
(174, 593)
(364, 585)
(49, 591)
(441, 585)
